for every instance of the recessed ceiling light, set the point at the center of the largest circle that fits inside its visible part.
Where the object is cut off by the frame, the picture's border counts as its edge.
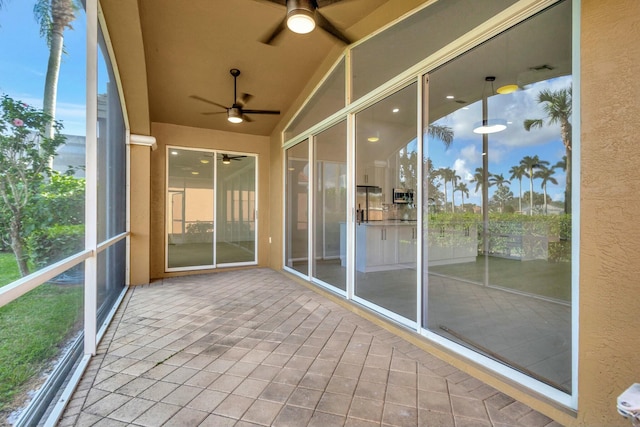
(174, 153)
(450, 96)
(204, 161)
(395, 110)
(195, 173)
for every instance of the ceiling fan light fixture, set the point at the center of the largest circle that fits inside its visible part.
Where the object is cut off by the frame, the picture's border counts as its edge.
(301, 22)
(225, 159)
(234, 115)
(300, 17)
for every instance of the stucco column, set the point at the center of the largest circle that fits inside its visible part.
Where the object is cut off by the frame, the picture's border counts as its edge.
(140, 147)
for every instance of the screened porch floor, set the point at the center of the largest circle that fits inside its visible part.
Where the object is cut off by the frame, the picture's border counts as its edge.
(257, 348)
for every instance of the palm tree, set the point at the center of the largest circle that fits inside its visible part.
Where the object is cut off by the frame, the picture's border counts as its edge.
(462, 188)
(442, 173)
(529, 163)
(498, 180)
(454, 182)
(477, 178)
(561, 164)
(441, 132)
(557, 107)
(54, 16)
(517, 172)
(546, 174)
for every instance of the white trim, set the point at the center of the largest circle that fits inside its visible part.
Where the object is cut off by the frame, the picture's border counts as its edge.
(311, 205)
(145, 140)
(575, 201)
(65, 397)
(112, 241)
(16, 289)
(422, 109)
(127, 226)
(91, 180)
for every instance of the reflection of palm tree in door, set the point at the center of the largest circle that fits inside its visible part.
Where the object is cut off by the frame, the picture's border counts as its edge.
(557, 107)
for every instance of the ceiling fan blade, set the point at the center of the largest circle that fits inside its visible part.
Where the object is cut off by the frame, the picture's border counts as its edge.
(208, 113)
(246, 118)
(199, 98)
(261, 111)
(242, 101)
(326, 25)
(324, 3)
(269, 39)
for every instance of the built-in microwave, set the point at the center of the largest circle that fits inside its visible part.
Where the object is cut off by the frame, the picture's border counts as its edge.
(402, 195)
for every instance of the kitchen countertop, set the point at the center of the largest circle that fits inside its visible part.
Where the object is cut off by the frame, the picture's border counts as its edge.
(390, 222)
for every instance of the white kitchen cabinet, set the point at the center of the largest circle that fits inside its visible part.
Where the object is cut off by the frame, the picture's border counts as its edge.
(376, 247)
(407, 244)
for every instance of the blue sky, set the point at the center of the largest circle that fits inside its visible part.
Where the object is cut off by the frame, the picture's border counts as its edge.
(506, 148)
(23, 64)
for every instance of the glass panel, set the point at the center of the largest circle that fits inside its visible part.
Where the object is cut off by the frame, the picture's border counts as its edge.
(297, 196)
(330, 156)
(236, 218)
(190, 208)
(35, 331)
(386, 164)
(111, 276)
(415, 38)
(328, 99)
(41, 207)
(111, 152)
(498, 241)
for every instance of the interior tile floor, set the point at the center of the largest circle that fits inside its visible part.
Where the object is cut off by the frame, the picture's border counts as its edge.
(256, 348)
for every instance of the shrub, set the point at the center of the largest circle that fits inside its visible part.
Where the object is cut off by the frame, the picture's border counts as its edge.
(49, 245)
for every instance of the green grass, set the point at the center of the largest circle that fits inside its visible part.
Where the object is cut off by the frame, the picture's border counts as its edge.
(8, 268)
(32, 330)
(536, 277)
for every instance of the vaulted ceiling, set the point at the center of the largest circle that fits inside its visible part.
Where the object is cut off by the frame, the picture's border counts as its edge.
(182, 49)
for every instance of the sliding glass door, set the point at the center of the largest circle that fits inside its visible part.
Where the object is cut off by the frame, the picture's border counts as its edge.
(211, 209)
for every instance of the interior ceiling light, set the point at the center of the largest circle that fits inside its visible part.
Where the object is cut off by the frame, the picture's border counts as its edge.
(204, 161)
(300, 16)
(195, 173)
(506, 89)
(450, 96)
(395, 110)
(487, 125)
(490, 126)
(234, 115)
(174, 153)
(225, 159)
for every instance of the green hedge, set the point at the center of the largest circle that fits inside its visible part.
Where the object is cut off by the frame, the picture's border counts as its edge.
(52, 244)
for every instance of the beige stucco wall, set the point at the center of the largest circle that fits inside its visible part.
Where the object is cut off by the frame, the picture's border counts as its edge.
(139, 208)
(609, 352)
(182, 136)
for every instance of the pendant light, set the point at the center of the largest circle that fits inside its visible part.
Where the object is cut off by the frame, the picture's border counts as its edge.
(487, 125)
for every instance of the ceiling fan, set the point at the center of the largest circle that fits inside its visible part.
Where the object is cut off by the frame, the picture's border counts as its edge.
(302, 17)
(226, 159)
(236, 113)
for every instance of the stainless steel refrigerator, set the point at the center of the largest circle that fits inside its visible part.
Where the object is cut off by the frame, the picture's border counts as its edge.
(368, 203)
